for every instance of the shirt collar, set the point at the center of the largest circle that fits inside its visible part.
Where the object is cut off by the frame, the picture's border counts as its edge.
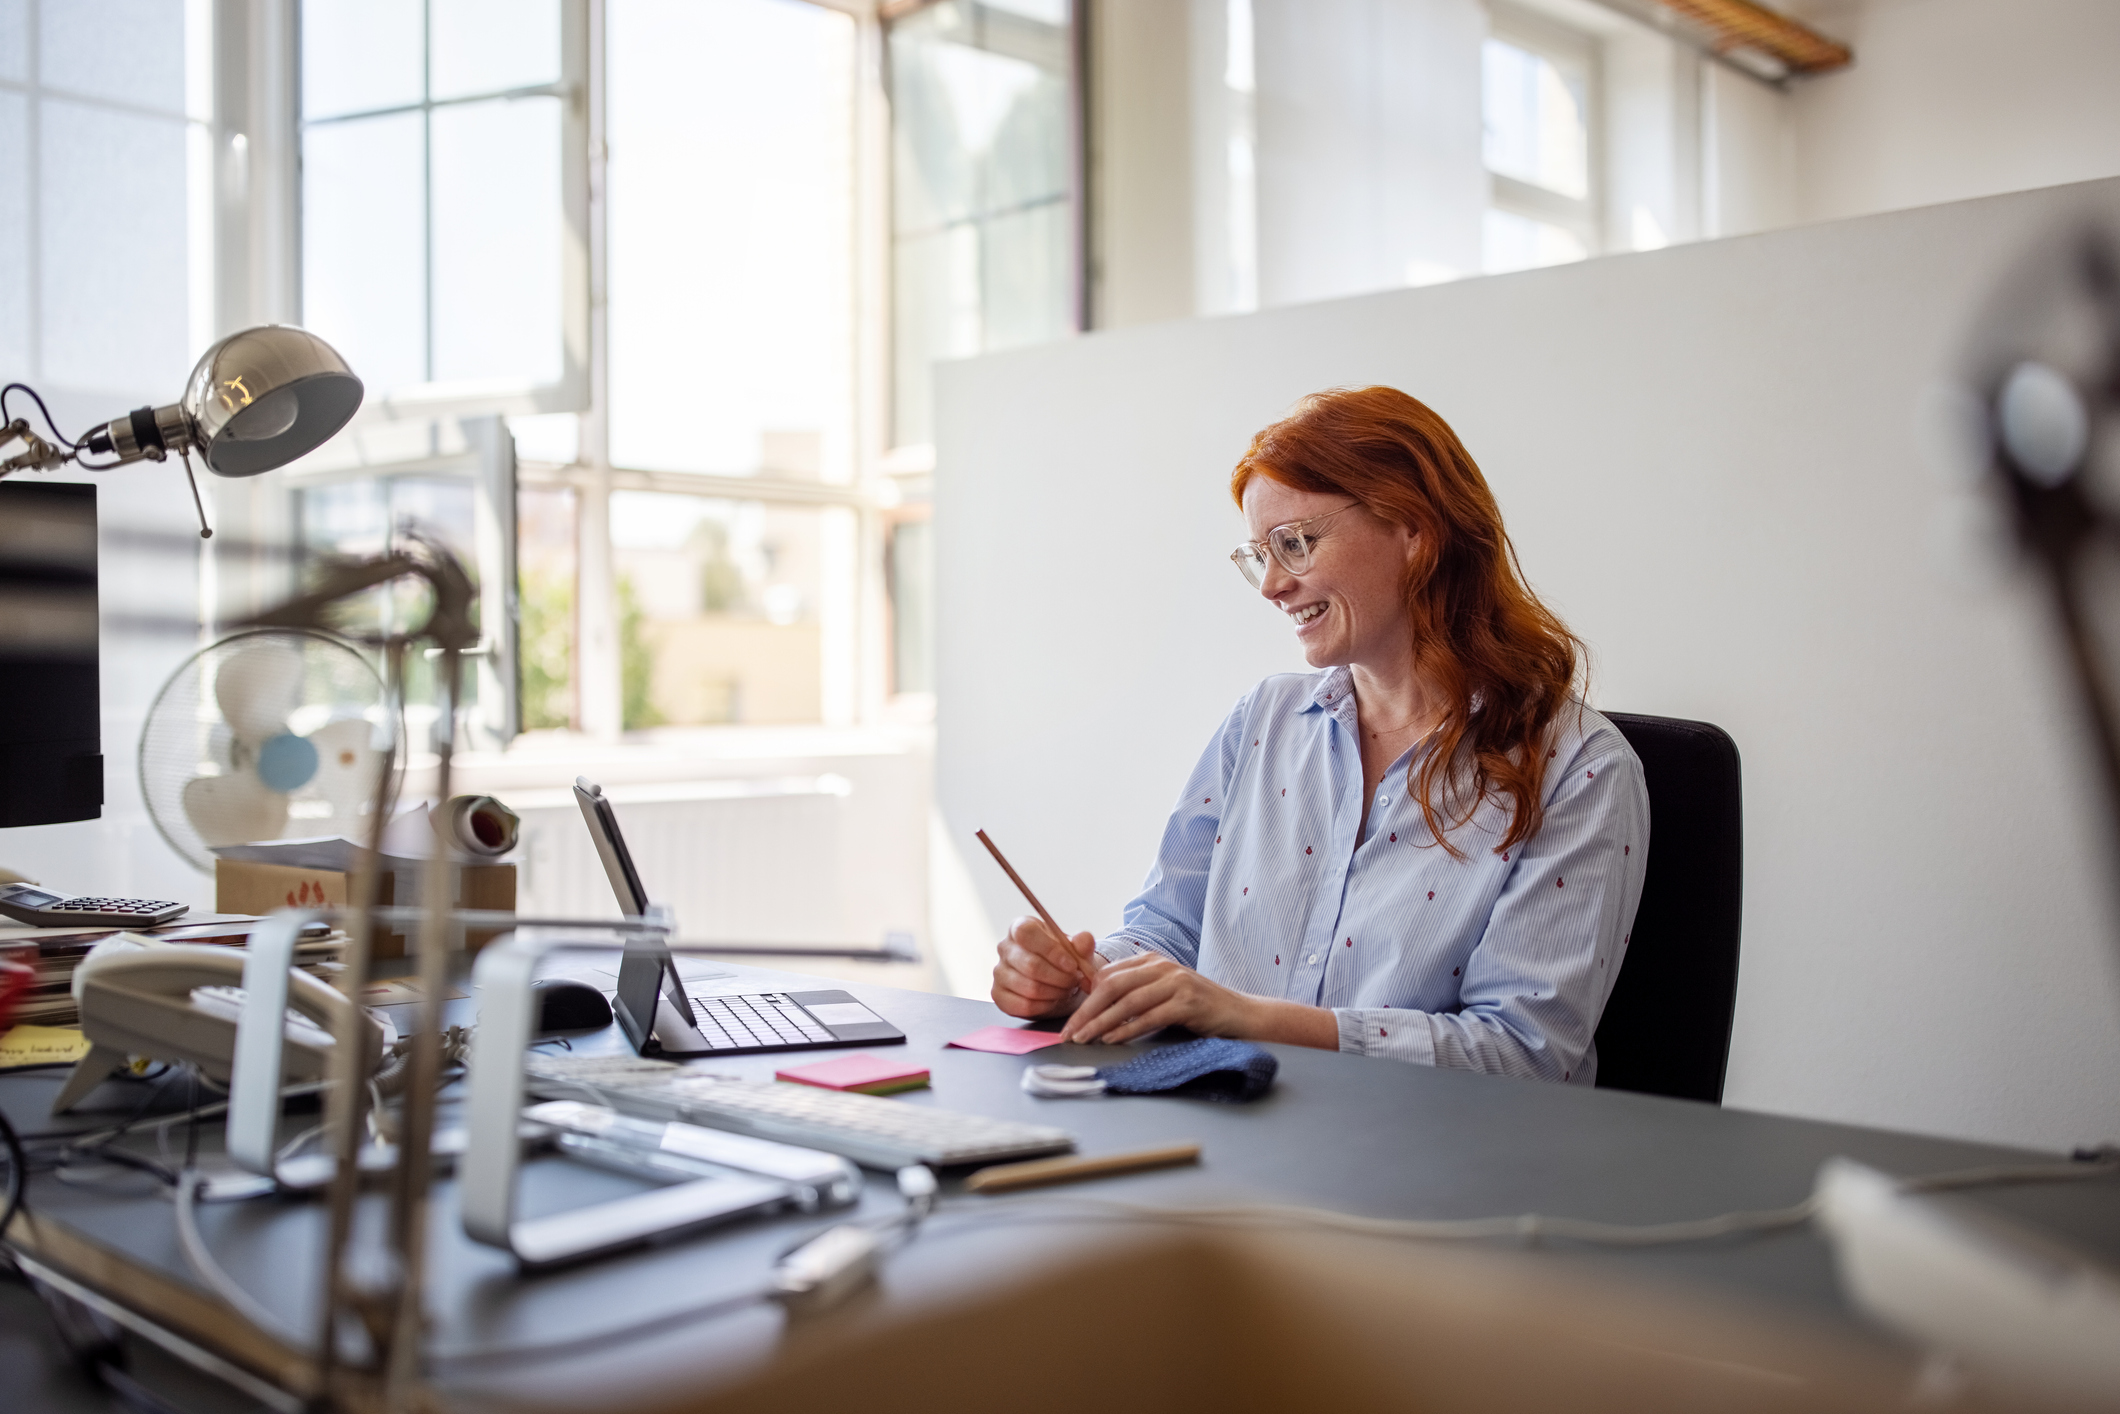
(1332, 690)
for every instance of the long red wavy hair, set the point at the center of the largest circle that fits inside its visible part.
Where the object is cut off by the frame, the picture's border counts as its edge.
(1479, 633)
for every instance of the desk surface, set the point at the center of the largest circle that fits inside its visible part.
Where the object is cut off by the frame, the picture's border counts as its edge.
(1364, 1136)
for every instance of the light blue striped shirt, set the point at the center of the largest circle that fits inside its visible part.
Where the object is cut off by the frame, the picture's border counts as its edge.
(1492, 962)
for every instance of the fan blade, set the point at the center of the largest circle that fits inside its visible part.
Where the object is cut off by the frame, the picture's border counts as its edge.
(257, 687)
(347, 764)
(236, 809)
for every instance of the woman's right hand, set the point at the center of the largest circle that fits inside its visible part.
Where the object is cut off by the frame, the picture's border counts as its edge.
(1040, 972)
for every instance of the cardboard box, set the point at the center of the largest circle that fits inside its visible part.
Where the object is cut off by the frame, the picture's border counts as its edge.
(246, 886)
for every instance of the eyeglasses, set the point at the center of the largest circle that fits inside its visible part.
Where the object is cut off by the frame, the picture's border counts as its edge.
(1293, 545)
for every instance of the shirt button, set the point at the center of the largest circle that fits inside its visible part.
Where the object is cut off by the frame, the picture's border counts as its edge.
(1312, 958)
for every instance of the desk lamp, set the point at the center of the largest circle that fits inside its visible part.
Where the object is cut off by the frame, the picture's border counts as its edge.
(2046, 377)
(256, 401)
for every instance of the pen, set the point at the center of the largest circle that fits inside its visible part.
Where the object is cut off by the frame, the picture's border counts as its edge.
(1089, 981)
(1002, 1177)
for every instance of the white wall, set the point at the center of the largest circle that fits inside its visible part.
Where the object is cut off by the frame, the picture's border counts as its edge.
(1707, 458)
(1950, 99)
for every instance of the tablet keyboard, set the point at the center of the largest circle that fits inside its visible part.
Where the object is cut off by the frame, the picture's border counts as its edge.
(881, 1133)
(761, 1021)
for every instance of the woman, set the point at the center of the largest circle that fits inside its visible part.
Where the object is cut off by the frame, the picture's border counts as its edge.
(1429, 849)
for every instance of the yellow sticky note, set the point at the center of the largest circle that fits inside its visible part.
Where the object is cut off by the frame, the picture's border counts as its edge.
(42, 1045)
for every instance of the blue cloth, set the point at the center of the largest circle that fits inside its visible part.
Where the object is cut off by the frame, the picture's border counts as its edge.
(1210, 1067)
(1490, 961)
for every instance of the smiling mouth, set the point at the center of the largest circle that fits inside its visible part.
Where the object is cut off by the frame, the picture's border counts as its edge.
(1307, 614)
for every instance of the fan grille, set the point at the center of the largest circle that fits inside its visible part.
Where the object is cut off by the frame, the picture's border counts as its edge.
(312, 713)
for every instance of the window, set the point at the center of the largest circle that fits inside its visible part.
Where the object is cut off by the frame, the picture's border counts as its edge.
(731, 226)
(727, 537)
(434, 205)
(106, 254)
(983, 213)
(1536, 99)
(718, 606)
(548, 574)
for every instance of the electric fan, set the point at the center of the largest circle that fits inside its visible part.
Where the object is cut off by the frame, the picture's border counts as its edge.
(268, 735)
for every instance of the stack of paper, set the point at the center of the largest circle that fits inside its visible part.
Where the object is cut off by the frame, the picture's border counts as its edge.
(53, 953)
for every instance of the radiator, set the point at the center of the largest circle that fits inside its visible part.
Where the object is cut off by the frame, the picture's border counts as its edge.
(750, 860)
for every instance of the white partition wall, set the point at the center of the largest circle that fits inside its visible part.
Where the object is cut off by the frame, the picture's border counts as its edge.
(1708, 457)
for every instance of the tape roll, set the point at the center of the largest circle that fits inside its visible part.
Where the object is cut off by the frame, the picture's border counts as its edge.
(478, 824)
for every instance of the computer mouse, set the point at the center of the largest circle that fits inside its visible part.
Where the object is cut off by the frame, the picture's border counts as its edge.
(564, 1004)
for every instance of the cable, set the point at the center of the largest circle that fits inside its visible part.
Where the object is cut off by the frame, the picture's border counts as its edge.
(1531, 1227)
(638, 1330)
(211, 1272)
(50, 426)
(17, 1175)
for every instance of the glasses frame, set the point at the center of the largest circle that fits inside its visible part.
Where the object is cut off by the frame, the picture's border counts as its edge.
(1245, 561)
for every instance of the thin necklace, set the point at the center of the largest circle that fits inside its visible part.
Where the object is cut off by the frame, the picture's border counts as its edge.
(1407, 727)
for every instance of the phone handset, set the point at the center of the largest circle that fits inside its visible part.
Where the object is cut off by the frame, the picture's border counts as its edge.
(135, 998)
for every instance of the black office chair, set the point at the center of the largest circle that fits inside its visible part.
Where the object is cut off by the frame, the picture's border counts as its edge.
(1666, 1030)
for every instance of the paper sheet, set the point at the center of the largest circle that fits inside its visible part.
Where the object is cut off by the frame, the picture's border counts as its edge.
(42, 1045)
(1008, 1040)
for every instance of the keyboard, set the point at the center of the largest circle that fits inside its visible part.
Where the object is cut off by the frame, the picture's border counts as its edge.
(884, 1134)
(761, 1021)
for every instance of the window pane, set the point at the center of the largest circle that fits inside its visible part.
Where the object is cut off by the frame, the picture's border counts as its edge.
(117, 312)
(497, 223)
(547, 570)
(912, 572)
(129, 50)
(1027, 254)
(491, 46)
(935, 315)
(731, 235)
(14, 237)
(1515, 242)
(360, 55)
(717, 610)
(364, 267)
(1537, 119)
(981, 210)
(14, 40)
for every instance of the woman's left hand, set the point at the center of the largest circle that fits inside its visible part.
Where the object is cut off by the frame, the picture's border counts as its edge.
(1147, 992)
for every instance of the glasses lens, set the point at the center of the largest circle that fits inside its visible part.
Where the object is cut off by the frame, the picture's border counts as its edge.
(1248, 559)
(1291, 547)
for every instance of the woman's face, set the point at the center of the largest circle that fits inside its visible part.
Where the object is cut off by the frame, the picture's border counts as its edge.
(1347, 608)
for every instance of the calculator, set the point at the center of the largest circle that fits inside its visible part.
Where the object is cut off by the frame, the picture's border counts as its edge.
(41, 909)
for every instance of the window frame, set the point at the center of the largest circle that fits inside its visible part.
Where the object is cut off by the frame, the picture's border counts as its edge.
(393, 436)
(1559, 44)
(435, 400)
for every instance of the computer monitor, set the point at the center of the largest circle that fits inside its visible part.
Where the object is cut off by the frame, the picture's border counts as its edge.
(51, 736)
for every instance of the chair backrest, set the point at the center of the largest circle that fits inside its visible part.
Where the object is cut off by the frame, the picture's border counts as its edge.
(1666, 1029)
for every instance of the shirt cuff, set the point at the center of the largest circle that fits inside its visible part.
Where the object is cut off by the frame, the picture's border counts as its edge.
(1116, 947)
(1388, 1032)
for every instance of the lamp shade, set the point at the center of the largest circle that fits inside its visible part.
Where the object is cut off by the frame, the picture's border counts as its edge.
(261, 398)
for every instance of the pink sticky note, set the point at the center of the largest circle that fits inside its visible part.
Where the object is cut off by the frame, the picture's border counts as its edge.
(1008, 1040)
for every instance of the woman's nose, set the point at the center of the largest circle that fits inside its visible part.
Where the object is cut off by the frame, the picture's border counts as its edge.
(1276, 581)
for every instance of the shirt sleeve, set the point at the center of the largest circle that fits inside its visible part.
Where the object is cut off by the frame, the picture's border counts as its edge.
(1165, 916)
(1536, 983)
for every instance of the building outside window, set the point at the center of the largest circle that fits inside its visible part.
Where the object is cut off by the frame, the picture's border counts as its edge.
(1538, 91)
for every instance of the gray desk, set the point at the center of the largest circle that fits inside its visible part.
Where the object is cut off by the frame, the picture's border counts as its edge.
(1365, 1136)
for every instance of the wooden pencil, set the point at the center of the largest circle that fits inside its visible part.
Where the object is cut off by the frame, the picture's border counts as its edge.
(1089, 980)
(1000, 1178)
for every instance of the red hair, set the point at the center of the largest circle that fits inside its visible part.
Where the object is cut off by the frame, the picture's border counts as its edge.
(1479, 633)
